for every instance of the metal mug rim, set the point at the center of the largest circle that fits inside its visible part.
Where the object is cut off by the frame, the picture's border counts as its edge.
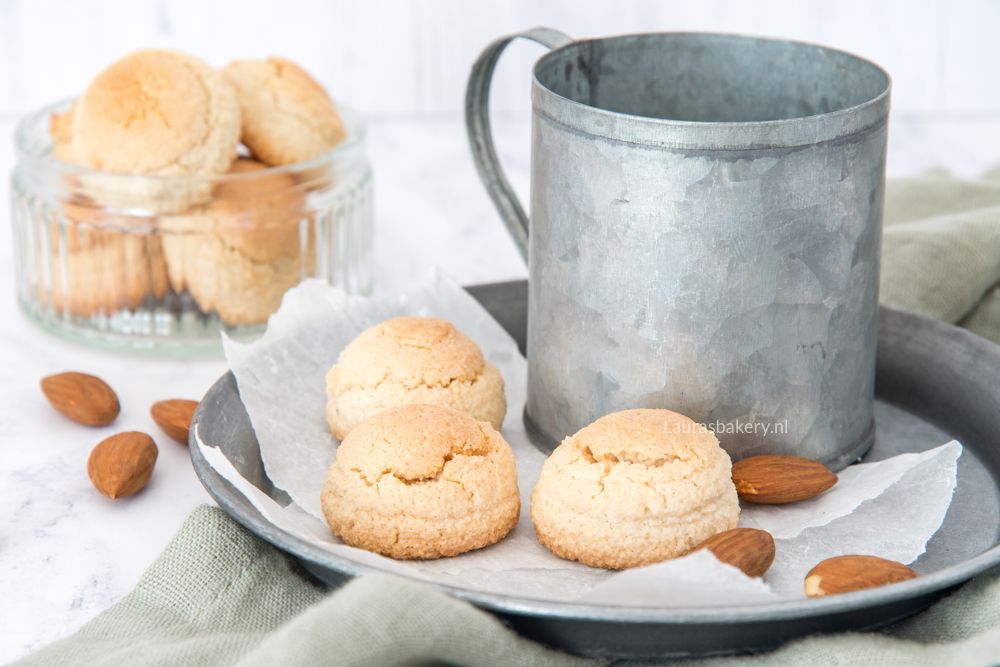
(869, 115)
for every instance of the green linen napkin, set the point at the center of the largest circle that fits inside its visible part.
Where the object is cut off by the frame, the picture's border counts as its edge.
(219, 596)
(941, 250)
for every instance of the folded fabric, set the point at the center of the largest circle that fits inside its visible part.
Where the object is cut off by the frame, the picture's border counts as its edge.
(220, 596)
(941, 250)
(217, 595)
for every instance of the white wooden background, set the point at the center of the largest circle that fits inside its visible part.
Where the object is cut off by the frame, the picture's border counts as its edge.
(405, 57)
(403, 63)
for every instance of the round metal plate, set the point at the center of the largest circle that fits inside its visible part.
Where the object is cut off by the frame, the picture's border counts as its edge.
(934, 382)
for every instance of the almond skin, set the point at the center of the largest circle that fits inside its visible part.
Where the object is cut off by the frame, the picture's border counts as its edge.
(776, 480)
(122, 464)
(174, 417)
(748, 549)
(85, 399)
(844, 574)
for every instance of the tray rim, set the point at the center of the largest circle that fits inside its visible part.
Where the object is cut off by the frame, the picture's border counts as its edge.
(925, 585)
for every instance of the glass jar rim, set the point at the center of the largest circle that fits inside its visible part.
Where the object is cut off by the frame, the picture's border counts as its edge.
(28, 150)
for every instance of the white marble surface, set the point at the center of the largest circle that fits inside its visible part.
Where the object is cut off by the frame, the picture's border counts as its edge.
(66, 553)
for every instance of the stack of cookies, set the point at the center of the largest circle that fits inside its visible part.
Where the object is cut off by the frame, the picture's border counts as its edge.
(423, 472)
(193, 148)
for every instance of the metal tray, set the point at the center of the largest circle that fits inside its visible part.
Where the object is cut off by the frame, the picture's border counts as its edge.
(934, 382)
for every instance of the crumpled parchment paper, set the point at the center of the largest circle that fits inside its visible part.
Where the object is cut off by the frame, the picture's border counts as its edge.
(890, 508)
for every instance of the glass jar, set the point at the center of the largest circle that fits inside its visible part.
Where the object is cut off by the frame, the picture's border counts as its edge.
(167, 262)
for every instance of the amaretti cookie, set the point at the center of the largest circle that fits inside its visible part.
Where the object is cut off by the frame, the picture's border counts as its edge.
(157, 112)
(93, 267)
(240, 253)
(419, 482)
(633, 488)
(61, 131)
(409, 360)
(287, 115)
(154, 113)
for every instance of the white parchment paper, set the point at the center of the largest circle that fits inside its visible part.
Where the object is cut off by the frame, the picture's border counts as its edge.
(873, 509)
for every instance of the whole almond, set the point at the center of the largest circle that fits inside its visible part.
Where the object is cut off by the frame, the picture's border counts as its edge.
(748, 549)
(174, 417)
(85, 399)
(844, 574)
(122, 464)
(776, 480)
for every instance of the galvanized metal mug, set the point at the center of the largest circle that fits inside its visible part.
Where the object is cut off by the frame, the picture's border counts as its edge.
(705, 233)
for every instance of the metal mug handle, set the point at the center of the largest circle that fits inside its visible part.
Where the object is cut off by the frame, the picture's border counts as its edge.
(477, 123)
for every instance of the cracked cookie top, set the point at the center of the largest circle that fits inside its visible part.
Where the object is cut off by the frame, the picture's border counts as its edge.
(638, 463)
(287, 115)
(412, 443)
(651, 439)
(157, 112)
(421, 481)
(410, 351)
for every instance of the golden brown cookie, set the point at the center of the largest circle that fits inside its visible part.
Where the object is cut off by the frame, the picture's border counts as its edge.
(61, 131)
(91, 265)
(240, 253)
(408, 360)
(157, 112)
(287, 116)
(419, 482)
(634, 487)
